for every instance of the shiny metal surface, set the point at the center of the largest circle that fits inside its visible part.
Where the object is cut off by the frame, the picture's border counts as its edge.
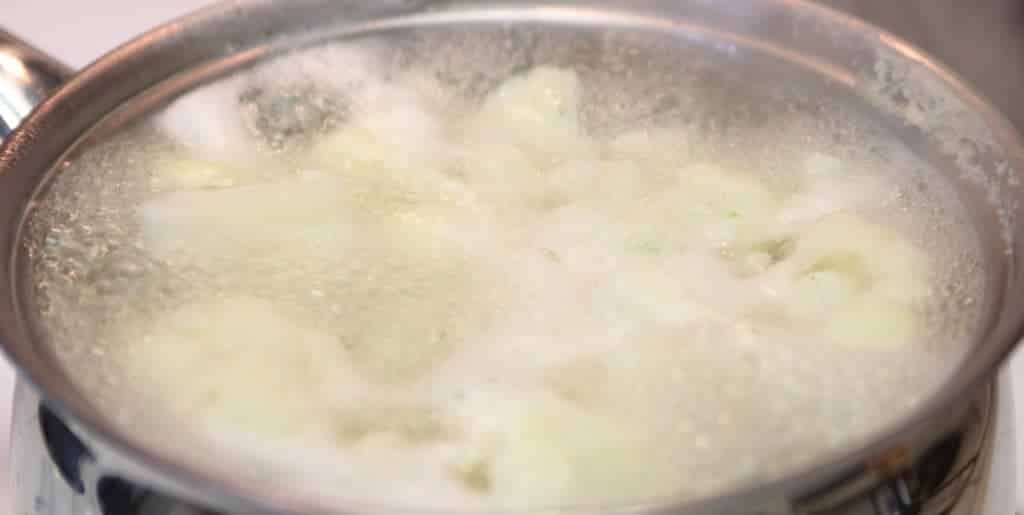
(145, 72)
(27, 76)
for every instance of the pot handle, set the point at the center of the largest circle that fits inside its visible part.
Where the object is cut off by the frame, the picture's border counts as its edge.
(27, 76)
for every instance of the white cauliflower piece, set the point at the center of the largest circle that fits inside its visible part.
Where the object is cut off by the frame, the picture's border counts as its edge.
(537, 112)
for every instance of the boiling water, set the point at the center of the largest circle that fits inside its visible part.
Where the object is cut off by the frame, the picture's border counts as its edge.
(375, 276)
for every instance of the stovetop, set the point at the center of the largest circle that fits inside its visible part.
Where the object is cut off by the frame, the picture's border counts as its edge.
(78, 32)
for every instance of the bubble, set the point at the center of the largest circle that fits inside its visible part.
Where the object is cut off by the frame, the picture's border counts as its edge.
(356, 234)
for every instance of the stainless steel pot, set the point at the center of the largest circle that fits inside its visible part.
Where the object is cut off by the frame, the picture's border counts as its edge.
(965, 140)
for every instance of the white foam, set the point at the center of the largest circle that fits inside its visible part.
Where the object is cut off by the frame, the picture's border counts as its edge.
(547, 312)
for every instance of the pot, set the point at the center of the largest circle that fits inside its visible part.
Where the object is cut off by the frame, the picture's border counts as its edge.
(968, 143)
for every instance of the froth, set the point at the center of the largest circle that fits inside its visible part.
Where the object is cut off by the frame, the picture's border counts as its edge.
(513, 299)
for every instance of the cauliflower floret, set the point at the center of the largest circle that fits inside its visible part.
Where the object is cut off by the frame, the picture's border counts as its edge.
(537, 112)
(237, 221)
(246, 365)
(552, 453)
